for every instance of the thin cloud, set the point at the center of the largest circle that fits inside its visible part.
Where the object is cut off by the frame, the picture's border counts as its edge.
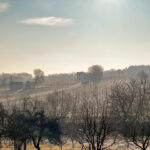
(48, 21)
(3, 6)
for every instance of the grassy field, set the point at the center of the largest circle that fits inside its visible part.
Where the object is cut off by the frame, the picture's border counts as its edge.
(40, 90)
(47, 147)
(50, 147)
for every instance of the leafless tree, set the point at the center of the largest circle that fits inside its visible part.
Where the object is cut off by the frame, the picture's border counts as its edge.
(16, 128)
(39, 75)
(28, 122)
(129, 101)
(93, 124)
(58, 104)
(3, 115)
(143, 76)
(95, 73)
(139, 134)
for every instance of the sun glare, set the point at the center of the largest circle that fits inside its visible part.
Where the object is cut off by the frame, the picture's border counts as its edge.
(110, 1)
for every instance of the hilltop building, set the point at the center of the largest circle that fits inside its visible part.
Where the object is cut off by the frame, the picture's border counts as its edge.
(82, 76)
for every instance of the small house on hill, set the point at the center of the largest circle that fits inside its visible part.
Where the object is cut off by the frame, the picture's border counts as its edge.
(82, 76)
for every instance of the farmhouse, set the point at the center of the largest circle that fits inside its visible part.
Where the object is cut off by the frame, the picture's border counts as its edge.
(82, 76)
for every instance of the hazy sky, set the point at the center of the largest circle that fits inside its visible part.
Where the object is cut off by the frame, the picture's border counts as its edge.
(70, 35)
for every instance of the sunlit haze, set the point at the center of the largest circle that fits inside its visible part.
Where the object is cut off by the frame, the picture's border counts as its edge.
(60, 36)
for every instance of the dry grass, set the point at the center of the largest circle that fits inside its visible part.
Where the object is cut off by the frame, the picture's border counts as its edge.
(47, 147)
(57, 84)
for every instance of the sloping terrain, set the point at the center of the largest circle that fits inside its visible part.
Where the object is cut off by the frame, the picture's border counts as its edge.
(39, 90)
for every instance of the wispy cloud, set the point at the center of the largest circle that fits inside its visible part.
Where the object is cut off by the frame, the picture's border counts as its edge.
(49, 21)
(3, 6)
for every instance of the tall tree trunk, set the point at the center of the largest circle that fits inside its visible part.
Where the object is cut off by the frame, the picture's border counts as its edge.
(50, 147)
(25, 145)
(82, 146)
(17, 145)
(72, 145)
(61, 147)
(38, 147)
(93, 147)
(89, 146)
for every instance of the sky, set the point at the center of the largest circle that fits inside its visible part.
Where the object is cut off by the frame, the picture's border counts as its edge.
(62, 36)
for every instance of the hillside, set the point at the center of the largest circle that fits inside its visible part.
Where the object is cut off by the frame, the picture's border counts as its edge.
(39, 90)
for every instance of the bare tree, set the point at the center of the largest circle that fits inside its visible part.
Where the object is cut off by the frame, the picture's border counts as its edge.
(3, 116)
(139, 131)
(58, 104)
(95, 73)
(43, 128)
(139, 134)
(30, 123)
(143, 76)
(39, 75)
(93, 124)
(129, 101)
(16, 128)
(41, 125)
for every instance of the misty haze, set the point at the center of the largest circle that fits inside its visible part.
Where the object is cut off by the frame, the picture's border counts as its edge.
(74, 74)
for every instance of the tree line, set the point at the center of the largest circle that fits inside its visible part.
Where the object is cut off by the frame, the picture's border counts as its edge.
(96, 116)
(95, 72)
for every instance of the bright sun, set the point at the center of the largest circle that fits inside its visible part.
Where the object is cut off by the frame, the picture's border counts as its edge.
(110, 1)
